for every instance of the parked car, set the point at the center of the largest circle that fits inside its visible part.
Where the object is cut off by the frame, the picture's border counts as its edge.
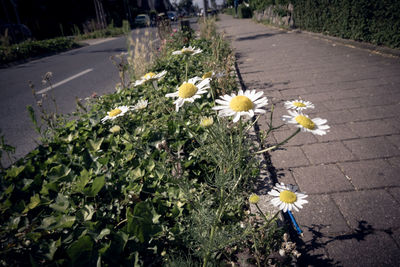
(172, 15)
(142, 20)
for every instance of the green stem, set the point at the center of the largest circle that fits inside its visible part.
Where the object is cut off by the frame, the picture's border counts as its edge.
(262, 213)
(187, 66)
(213, 228)
(281, 143)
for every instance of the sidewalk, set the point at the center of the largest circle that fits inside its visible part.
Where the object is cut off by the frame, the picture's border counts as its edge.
(352, 174)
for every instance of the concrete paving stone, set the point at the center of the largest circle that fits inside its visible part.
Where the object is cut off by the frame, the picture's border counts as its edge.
(324, 153)
(394, 139)
(370, 148)
(387, 99)
(322, 218)
(374, 128)
(337, 116)
(289, 157)
(396, 236)
(395, 192)
(372, 113)
(321, 179)
(337, 132)
(395, 161)
(300, 139)
(376, 207)
(345, 103)
(285, 176)
(289, 94)
(375, 249)
(371, 173)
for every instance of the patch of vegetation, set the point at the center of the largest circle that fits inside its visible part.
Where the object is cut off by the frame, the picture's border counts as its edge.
(29, 49)
(136, 182)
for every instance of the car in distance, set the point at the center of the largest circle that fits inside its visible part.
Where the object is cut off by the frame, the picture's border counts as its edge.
(172, 15)
(142, 20)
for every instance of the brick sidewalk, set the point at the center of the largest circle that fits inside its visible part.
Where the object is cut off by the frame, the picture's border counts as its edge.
(351, 174)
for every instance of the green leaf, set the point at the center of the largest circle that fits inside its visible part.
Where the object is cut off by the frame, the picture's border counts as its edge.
(81, 182)
(65, 221)
(88, 212)
(35, 200)
(48, 186)
(53, 248)
(102, 234)
(137, 173)
(14, 171)
(150, 166)
(58, 172)
(94, 146)
(97, 185)
(80, 247)
(61, 204)
(27, 184)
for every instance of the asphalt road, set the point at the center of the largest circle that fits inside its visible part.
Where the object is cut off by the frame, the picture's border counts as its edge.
(78, 72)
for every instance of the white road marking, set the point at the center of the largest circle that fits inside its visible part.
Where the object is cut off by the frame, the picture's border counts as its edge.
(63, 81)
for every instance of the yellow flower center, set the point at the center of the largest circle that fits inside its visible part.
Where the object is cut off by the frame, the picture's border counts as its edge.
(305, 122)
(207, 75)
(149, 75)
(114, 112)
(254, 199)
(187, 90)
(186, 51)
(288, 196)
(241, 103)
(299, 104)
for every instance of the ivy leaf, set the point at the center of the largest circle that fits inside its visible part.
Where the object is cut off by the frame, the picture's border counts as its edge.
(53, 248)
(102, 234)
(65, 221)
(14, 171)
(97, 185)
(150, 166)
(58, 172)
(61, 204)
(88, 212)
(137, 173)
(80, 248)
(82, 181)
(94, 146)
(35, 200)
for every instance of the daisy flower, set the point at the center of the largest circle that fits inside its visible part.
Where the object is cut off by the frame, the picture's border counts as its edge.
(244, 104)
(315, 126)
(150, 77)
(141, 104)
(287, 198)
(115, 129)
(187, 51)
(115, 113)
(190, 91)
(212, 74)
(254, 199)
(298, 105)
(206, 121)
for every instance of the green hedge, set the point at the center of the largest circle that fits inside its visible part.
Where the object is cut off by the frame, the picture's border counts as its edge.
(29, 49)
(376, 22)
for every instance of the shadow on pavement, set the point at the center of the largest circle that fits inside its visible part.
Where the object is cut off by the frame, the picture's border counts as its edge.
(257, 36)
(321, 240)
